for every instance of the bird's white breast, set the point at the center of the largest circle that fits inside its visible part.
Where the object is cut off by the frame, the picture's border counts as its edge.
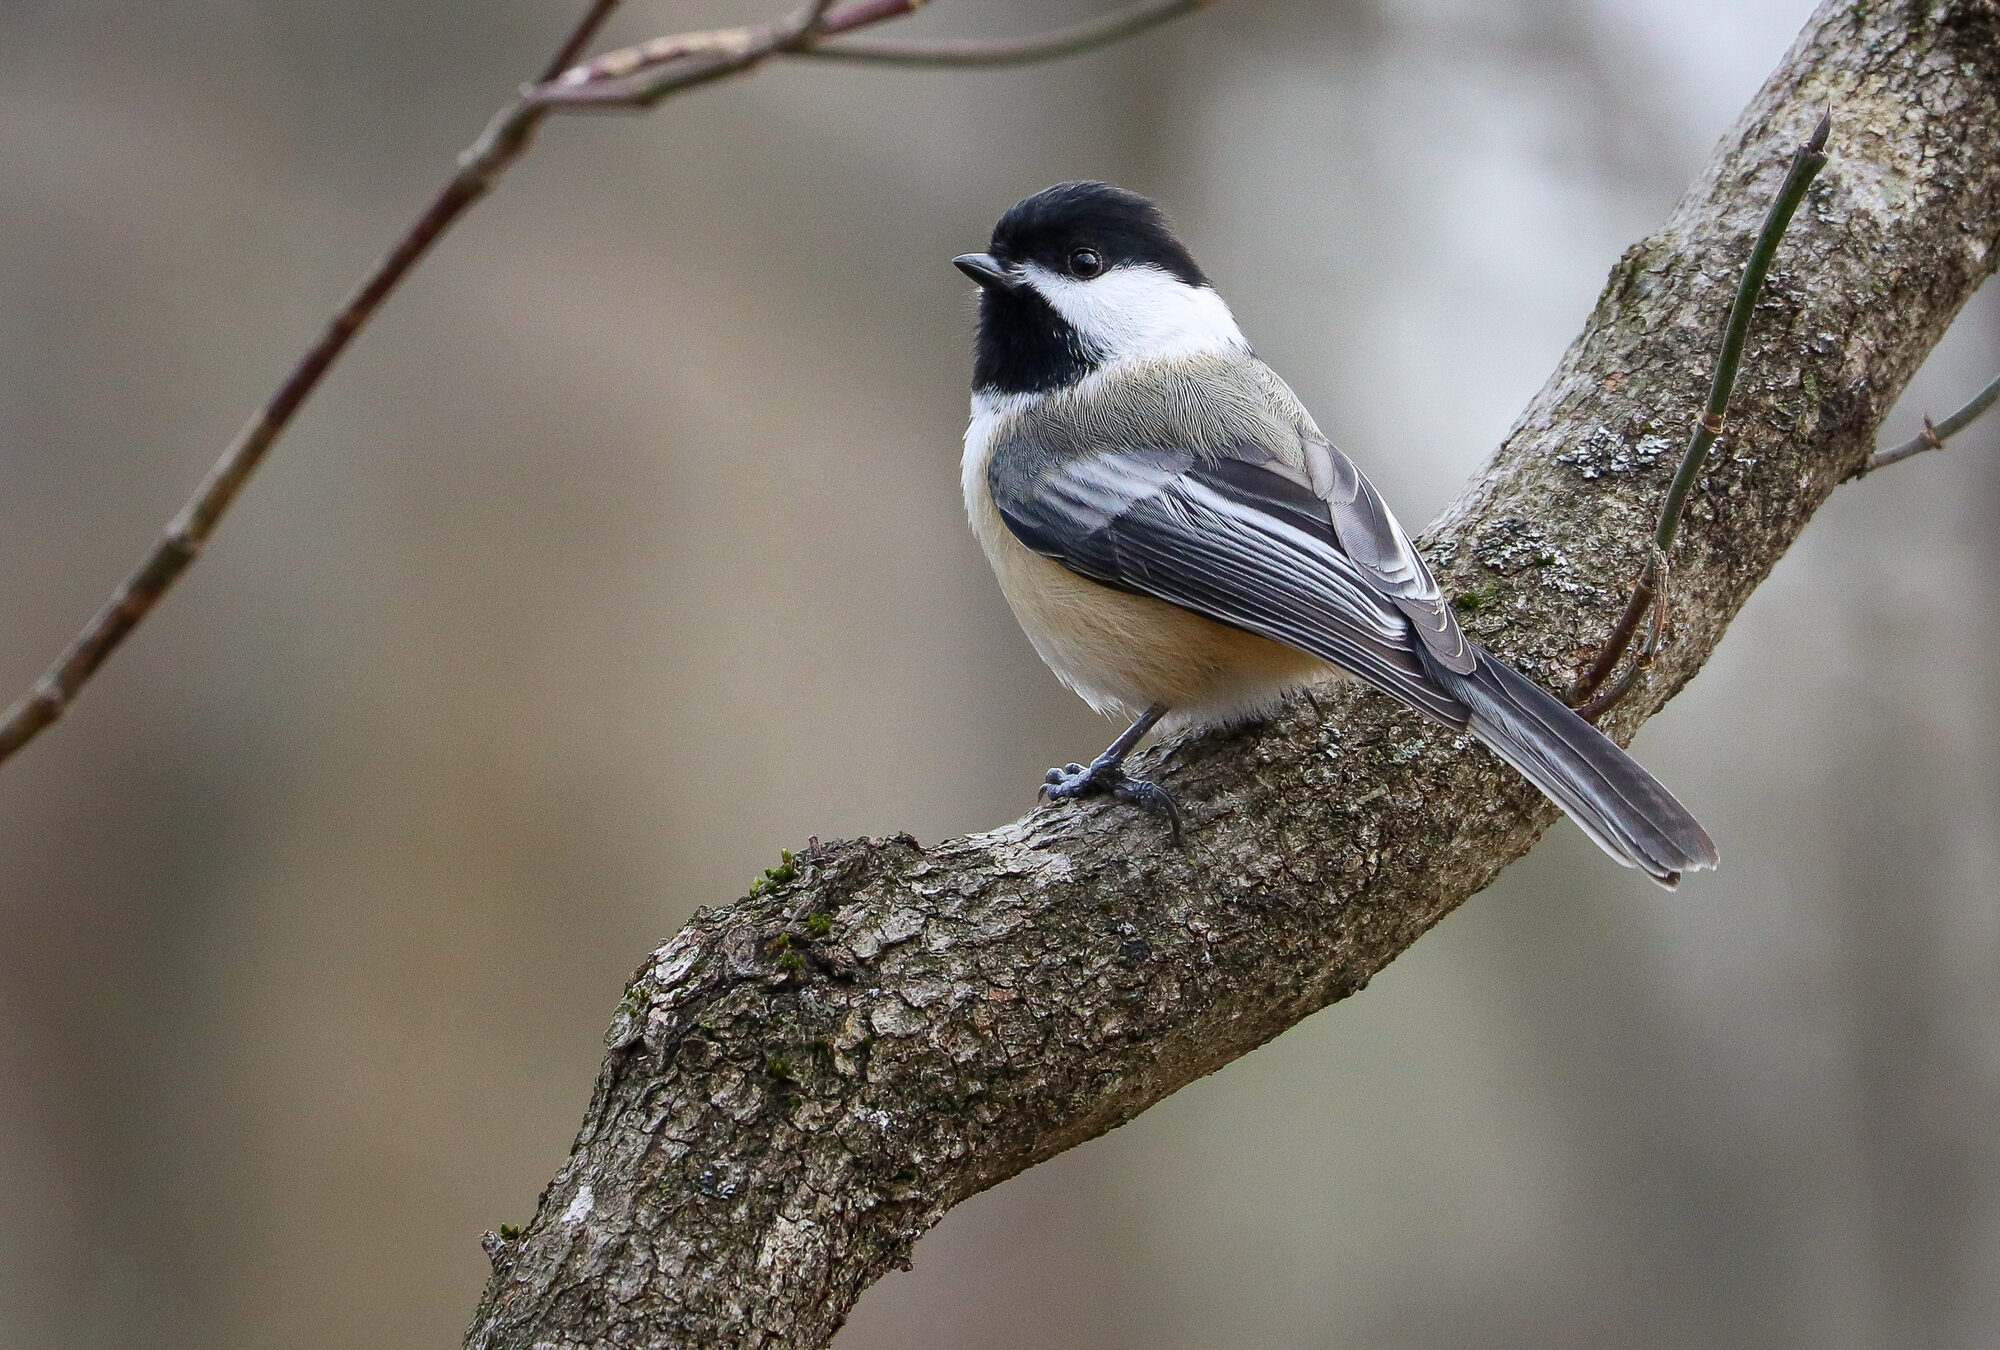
(1120, 652)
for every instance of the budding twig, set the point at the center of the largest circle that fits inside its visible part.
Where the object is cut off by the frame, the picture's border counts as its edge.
(1934, 434)
(1649, 589)
(634, 79)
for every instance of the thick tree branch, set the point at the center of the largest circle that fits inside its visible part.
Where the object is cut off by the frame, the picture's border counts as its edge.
(801, 1083)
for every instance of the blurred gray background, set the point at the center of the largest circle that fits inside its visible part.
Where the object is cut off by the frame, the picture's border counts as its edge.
(627, 548)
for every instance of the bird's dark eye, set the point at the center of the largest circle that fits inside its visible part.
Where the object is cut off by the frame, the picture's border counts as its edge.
(1085, 263)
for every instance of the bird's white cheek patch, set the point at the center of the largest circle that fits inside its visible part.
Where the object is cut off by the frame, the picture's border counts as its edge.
(1140, 312)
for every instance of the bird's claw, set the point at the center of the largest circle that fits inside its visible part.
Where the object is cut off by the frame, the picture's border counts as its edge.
(1079, 780)
(1073, 781)
(1145, 793)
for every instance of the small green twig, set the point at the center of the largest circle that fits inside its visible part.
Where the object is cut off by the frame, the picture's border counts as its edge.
(1649, 645)
(1934, 434)
(1649, 590)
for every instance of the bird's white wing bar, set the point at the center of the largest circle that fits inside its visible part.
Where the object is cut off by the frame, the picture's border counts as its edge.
(1227, 539)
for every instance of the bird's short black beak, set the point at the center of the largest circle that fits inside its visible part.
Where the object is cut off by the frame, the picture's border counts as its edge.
(985, 269)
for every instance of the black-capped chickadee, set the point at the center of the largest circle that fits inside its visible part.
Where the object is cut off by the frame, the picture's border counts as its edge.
(1183, 546)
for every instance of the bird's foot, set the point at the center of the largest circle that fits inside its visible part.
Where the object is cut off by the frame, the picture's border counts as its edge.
(1107, 775)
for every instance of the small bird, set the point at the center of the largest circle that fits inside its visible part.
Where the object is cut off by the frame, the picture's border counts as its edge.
(1184, 547)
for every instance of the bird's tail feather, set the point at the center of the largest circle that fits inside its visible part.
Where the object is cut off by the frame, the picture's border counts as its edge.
(1624, 809)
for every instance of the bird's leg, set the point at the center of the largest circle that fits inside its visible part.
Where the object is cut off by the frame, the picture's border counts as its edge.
(1107, 773)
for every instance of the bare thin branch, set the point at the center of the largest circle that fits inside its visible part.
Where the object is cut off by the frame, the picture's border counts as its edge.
(1934, 434)
(579, 38)
(609, 79)
(614, 80)
(635, 78)
(184, 537)
(963, 53)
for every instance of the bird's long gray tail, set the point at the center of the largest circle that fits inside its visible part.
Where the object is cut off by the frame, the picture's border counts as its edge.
(1626, 810)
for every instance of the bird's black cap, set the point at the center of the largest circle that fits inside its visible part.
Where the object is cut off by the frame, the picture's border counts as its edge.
(1024, 345)
(1122, 227)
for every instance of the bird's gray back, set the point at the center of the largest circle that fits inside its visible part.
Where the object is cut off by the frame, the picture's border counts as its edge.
(1211, 406)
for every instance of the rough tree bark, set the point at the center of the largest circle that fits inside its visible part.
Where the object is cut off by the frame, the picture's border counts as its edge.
(801, 1083)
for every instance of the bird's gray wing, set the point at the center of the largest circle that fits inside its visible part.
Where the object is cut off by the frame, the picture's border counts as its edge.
(1232, 539)
(1374, 540)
